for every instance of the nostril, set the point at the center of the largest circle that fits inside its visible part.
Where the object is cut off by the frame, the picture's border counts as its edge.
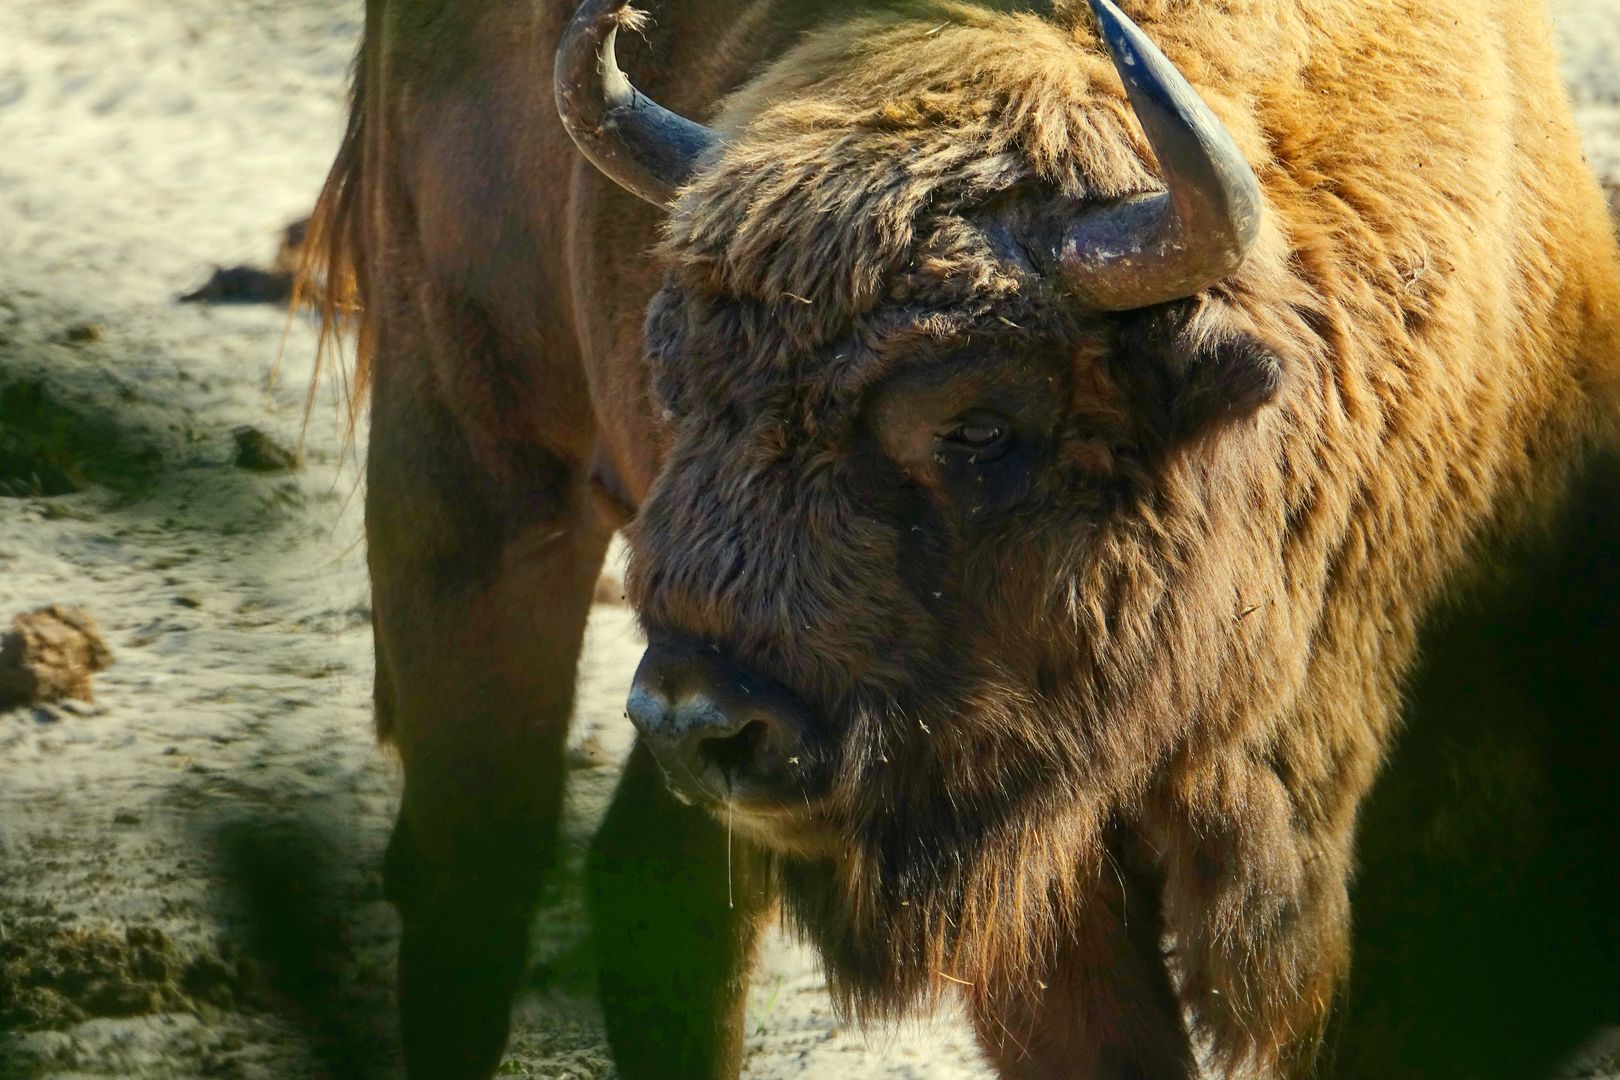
(647, 711)
(739, 753)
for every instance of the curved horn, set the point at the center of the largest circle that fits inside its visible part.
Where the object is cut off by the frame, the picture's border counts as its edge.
(1155, 248)
(636, 142)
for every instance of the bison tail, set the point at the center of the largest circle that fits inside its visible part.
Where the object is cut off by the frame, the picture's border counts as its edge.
(331, 261)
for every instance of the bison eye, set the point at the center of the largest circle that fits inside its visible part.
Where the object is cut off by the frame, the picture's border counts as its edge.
(977, 436)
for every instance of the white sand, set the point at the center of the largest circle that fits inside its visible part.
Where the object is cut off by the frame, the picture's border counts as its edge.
(140, 142)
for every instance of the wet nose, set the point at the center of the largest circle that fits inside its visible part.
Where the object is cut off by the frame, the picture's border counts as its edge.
(718, 731)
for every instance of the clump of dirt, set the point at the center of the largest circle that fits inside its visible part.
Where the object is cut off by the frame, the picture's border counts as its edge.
(50, 654)
(83, 333)
(53, 977)
(49, 446)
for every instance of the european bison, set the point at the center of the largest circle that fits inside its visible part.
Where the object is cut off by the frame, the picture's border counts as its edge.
(1038, 472)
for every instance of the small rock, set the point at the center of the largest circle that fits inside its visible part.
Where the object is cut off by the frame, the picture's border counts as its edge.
(259, 452)
(50, 654)
(82, 333)
(125, 817)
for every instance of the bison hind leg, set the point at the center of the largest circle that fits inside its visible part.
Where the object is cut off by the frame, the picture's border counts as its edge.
(482, 578)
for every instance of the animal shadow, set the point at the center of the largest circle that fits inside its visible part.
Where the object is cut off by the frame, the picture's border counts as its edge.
(296, 918)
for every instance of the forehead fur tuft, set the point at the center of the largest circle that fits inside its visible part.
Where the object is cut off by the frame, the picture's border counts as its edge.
(852, 158)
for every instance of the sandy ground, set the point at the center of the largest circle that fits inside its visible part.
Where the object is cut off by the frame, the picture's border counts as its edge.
(188, 867)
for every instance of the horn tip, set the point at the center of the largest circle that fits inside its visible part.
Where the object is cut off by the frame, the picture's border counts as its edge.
(631, 18)
(634, 141)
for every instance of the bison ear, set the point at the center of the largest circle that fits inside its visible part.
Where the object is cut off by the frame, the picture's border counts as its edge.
(1190, 377)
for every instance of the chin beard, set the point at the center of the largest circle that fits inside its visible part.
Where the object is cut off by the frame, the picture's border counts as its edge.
(914, 912)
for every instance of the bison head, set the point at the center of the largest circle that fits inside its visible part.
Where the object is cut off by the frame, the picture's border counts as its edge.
(958, 515)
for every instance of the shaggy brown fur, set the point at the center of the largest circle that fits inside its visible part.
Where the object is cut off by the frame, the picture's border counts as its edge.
(1132, 691)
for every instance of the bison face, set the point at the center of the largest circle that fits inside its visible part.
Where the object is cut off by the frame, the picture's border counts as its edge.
(868, 571)
(928, 600)
(804, 566)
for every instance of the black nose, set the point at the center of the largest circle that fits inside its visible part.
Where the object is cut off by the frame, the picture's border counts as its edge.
(718, 731)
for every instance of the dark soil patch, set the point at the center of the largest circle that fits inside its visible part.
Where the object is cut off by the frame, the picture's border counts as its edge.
(50, 446)
(52, 977)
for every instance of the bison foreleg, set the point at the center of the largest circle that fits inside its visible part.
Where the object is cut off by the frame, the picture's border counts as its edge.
(1255, 901)
(676, 916)
(1106, 1008)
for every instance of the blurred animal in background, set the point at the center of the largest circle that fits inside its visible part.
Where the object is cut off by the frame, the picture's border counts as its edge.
(244, 284)
(1042, 459)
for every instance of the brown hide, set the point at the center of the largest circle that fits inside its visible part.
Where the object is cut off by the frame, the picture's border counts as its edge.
(1168, 671)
